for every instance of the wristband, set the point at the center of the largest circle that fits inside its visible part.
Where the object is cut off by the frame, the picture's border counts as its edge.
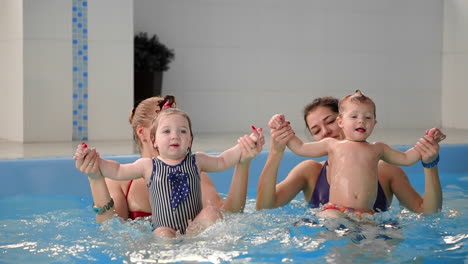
(101, 210)
(432, 164)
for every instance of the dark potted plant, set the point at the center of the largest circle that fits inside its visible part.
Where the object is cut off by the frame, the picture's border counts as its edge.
(151, 59)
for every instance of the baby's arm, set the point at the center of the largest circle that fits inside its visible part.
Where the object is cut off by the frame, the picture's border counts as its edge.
(228, 158)
(400, 158)
(311, 149)
(109, 168)
(121, 172)
(411, 156)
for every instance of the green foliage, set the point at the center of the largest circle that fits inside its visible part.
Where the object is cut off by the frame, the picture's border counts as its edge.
(150, 55)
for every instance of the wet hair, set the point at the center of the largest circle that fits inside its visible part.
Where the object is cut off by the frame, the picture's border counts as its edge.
(326, 101)
(145, 111)
(166, 112)
(356, 97)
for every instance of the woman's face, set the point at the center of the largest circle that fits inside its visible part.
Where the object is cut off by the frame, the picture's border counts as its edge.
(321, 122)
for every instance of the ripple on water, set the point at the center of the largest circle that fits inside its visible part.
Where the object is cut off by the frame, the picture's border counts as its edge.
(292, 234)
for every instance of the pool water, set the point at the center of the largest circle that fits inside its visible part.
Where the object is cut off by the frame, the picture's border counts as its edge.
(46, 217)
(61, 229)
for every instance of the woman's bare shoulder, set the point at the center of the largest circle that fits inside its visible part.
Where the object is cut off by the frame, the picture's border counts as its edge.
(308, 168)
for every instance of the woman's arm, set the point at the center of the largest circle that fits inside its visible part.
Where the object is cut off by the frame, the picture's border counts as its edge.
(302, 177)
(236, 198)
(431, 202)
(237, 195)
(266, 187)
(88, 164)
(429, 150)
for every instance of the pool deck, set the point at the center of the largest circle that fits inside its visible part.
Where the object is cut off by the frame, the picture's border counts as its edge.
(206, 142)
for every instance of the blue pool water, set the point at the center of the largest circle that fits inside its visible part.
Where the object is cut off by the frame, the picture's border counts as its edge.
(46, 218)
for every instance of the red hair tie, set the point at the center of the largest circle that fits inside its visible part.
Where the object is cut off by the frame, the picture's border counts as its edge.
(167, 105)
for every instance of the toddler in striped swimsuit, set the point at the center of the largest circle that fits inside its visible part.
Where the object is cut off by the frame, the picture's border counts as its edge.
(174, 176)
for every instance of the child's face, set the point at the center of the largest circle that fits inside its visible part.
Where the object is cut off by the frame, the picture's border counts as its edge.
(172, 136)
(357, 121)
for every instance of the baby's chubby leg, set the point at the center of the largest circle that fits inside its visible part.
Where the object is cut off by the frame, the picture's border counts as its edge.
(165, 232)
(207, 217)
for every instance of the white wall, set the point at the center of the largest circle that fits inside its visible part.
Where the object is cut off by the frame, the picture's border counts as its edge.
(110, 69)
(11, 69)
(47, 70)
(239, 62)
(36, 81)
(455, 64)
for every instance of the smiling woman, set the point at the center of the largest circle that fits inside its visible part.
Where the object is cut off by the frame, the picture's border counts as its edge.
(52, 198)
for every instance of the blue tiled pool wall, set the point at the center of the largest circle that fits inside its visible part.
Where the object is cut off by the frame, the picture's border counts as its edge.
(80, 70)
(58, 176)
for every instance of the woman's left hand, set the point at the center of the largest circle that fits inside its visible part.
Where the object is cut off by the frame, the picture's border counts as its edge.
(428, 148)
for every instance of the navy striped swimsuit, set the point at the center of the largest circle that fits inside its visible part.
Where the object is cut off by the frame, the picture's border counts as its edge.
(160, 192)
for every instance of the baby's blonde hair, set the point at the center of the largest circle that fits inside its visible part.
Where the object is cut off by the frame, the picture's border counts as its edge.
(356, 97)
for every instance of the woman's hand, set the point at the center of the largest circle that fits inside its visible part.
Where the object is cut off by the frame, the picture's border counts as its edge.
(428, 148)
(87, 161)
(251, 145)
(281, 136)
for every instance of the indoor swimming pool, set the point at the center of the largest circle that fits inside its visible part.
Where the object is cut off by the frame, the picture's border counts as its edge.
(47, 218)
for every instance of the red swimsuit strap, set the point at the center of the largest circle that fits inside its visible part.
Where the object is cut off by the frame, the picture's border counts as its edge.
(134, 215)
(128, 188)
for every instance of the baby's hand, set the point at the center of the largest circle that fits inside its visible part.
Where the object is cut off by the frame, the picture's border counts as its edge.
(251, 145)
(436, 134)
(277, 121)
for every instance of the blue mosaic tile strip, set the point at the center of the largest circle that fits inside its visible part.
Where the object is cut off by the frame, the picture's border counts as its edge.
(80, 70)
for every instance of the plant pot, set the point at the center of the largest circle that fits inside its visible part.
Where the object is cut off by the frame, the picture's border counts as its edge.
(145, 85)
